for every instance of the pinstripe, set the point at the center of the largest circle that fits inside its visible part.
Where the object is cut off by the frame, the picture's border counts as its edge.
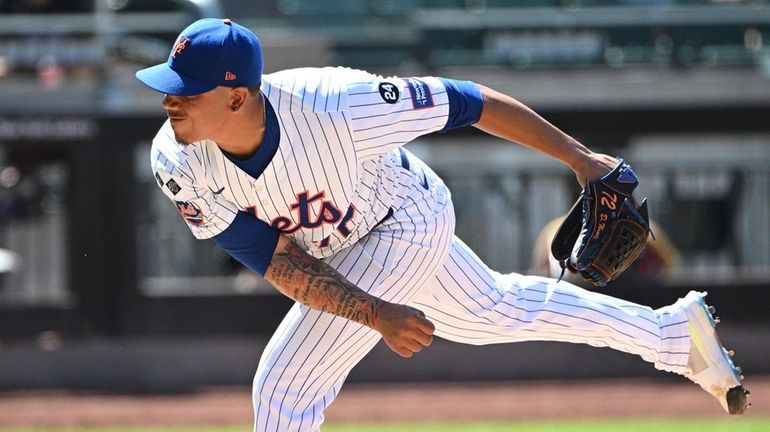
(406, 131)
(291, 146)
(246, 199)
(207, 158)
(339, 100)
(290, 385)
(332, 190)
(544, 309)
(284, 157)
(301, 136)
(456, 321)
(552, 301)
(230, 186)
(197, 157)
(379, 126)
(472, 331)
(343, 349)
(390, 113)
(283, 348)
(431, 241)
(363, 93)
(334, 355)
(345, 360)
(338, 140)
(202, 167)
(307, 385)
(349, 359)
(291, 382)
(274, 179)
(587, 296)
(337, 149)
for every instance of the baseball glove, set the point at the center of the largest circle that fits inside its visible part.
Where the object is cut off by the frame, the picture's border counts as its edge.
(605, 231)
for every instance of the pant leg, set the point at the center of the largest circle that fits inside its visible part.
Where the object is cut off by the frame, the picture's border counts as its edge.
(311, 353)
(470, 303)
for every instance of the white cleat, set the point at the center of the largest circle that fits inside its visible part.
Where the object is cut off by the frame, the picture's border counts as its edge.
(710, 364)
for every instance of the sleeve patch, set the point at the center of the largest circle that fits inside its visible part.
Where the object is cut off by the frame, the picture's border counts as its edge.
(389, 92)
(173, 186)
(420, 93)
(158, 179)
(190, 212)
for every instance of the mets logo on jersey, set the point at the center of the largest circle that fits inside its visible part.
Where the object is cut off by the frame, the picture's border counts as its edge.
(190, 212)
(326, 211)
(179, 46)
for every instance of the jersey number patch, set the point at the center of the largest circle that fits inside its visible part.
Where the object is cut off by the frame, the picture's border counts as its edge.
(389, 92)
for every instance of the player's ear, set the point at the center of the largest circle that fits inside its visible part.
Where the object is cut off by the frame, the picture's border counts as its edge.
(238, 97)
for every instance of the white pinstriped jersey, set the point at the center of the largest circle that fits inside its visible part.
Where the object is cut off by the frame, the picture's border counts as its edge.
(337, 171)
(329, 171)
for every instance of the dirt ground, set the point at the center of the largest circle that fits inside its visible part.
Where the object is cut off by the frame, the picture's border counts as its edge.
(386, 403)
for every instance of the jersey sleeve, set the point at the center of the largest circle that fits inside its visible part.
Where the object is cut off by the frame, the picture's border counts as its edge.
(250, 241)
(386, 113)
(176, 175)
(465, 103)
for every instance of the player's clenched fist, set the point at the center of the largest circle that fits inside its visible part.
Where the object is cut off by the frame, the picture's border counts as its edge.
(405, 329)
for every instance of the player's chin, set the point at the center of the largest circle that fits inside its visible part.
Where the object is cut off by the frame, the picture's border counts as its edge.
(182, 140)
(180, 134)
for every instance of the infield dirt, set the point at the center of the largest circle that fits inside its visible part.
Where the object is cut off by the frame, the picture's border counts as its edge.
(372, 403)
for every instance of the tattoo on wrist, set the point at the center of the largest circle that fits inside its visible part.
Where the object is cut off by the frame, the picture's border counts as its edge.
(316, 284)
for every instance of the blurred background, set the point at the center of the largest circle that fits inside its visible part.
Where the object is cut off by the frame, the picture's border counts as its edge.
(102, 286)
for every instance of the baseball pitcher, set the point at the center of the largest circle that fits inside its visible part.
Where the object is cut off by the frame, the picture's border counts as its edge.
(301, 176)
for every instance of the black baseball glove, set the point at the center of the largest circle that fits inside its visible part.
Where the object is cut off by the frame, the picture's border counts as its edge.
(605, 231)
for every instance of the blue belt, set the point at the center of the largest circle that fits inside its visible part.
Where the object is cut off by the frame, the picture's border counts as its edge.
(405, 165)
(404, 158)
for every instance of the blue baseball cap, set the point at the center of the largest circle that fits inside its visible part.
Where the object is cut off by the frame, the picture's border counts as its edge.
(208, 53)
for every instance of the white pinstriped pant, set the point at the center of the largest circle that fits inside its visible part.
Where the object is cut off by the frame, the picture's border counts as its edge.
(414, 258)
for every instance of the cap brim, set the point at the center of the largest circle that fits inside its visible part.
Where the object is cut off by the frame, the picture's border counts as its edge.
(166, 80)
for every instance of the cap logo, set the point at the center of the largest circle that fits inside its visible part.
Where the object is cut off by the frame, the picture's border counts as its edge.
(179, 46)
(229, 76)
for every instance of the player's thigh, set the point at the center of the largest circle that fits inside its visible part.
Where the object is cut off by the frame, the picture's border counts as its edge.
(398, 258)
(464, 291)
(309, 352)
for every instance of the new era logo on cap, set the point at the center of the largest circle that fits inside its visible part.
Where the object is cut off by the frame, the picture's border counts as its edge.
(208, 53)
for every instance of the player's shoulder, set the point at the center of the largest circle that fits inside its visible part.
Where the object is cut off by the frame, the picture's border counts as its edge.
(307, 76)
(366, 90)
(169, 155)
(314, 89)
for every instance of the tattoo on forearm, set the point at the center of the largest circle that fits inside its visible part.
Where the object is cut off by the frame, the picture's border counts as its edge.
(314, 283)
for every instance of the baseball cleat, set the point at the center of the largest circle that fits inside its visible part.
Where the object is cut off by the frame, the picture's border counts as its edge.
(709, 363)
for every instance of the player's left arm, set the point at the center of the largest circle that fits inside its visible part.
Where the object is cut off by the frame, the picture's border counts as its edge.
(507, 118)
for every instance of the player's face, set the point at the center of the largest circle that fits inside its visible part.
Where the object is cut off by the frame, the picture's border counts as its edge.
(198, 117)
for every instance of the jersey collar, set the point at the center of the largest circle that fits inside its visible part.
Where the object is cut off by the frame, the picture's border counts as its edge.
(258, 162)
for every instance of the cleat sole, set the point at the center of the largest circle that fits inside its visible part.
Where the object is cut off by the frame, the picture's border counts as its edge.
(736, 400)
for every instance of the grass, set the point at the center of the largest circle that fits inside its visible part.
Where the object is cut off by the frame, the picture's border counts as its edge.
(726, 425)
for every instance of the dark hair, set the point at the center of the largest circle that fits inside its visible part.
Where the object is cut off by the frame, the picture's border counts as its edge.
(254, 90)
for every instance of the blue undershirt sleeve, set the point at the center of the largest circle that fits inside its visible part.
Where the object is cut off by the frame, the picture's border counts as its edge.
(250, 241)
(465, 103)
